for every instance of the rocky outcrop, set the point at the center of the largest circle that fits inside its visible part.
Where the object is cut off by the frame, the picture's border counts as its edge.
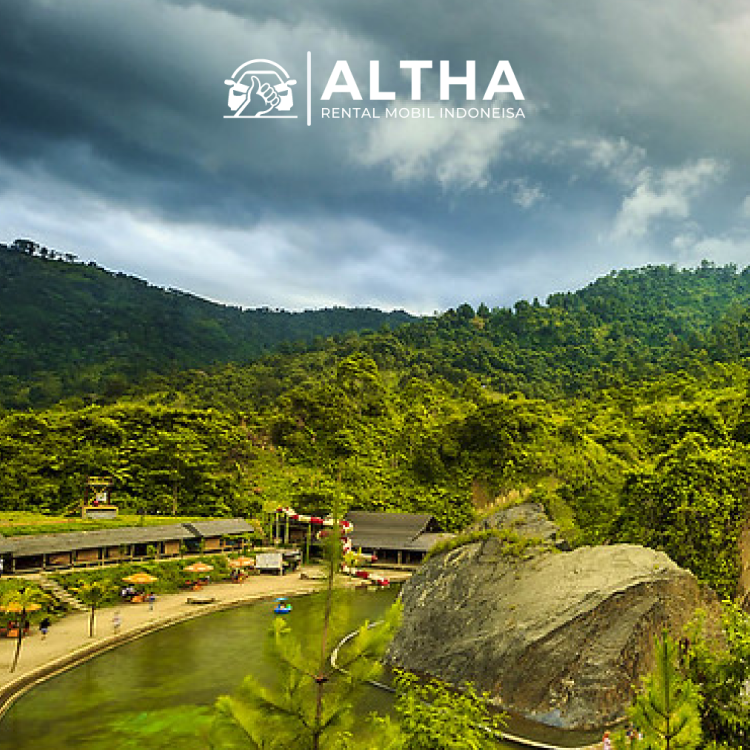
(526, 519)
(559, 637)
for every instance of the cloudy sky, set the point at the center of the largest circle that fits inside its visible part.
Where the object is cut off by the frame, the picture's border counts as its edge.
(114, 146)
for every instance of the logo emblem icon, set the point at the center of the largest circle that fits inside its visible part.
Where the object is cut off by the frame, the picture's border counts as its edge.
(260, 88)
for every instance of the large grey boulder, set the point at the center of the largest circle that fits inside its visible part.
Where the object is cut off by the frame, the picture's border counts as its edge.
(559, 637)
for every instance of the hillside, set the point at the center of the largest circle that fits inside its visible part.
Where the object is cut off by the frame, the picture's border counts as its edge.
(622, 329)
(73, 329)
(70, 328)
(623, 408)
(625, 326)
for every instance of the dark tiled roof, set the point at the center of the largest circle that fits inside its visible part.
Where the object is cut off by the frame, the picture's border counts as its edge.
(40, 544)
(398, 524)
(393, 531)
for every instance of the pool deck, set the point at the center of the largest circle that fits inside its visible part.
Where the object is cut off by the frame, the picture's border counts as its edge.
(68, 642)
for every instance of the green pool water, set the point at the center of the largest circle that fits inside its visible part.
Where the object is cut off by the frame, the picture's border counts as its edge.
(157, 692)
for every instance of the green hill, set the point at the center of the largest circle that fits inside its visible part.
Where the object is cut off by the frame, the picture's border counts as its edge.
(621, 329)
(626, 326)
(622, 407)
(70, 328)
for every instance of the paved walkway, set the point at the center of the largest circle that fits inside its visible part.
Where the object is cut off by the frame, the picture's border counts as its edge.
(68, 641)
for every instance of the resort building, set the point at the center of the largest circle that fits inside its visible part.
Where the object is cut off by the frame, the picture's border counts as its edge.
(401, 538)
(22, 554)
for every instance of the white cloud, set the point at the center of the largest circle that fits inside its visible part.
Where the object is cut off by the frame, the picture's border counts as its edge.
(732, 247)
(664, 194)
(617, 157)
(276, 261)
(454, 153)
(522, 193)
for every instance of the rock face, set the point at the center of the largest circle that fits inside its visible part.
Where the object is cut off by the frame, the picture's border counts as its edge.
(559, 637)
(529, 520)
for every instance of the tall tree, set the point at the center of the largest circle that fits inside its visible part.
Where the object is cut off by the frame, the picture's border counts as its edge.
(94, 594)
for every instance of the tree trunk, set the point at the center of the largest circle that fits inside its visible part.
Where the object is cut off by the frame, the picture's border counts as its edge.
(18, 645)
(91, 621)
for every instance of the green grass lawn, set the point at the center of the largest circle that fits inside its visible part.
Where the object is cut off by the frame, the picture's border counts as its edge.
(15, 523)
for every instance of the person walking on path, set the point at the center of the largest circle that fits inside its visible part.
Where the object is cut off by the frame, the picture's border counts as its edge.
(606, 742)
(44, 627)
(151, 601)
(116, 622)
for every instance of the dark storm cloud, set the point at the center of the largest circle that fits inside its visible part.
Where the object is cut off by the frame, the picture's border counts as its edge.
(633, 149)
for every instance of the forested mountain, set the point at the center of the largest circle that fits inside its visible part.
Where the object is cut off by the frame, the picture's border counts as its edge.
(68, 328)
(72, 328)
(625, 326)
(622, 407)
(619, 330)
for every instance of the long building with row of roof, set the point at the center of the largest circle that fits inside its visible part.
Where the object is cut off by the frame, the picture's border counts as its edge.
(27, 553)
(401, 538)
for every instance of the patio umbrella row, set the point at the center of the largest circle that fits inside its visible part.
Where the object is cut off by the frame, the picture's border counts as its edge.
(140, 579)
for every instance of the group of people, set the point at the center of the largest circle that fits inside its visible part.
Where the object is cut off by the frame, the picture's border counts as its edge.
(131, 594)
(11, 629)
(128, 592)
(197, 583)
(632, 734)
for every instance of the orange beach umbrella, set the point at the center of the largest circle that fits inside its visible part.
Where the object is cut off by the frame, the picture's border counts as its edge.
(17, 607)
(199, 567)
(242, 562)
(140, 578)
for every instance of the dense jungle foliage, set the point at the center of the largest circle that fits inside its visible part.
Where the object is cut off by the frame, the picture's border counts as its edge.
(68, 327)
(623, 408)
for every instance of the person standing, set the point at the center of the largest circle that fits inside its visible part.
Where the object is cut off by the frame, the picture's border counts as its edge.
(116, 622)
(606, 742)
(44, 627)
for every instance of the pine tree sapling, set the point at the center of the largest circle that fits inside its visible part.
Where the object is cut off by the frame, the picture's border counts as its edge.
(666, 709)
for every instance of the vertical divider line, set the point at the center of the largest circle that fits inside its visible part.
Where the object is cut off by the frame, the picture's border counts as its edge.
(309, 88)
